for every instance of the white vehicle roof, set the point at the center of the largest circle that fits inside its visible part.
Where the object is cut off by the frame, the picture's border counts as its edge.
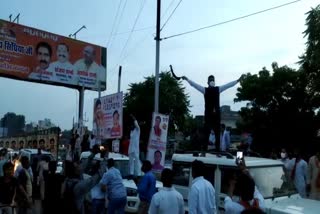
(115, 156)
(223, 160)
(34, 151)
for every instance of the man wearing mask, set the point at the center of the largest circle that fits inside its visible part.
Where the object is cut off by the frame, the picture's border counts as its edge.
(212, 106)
(134, 151)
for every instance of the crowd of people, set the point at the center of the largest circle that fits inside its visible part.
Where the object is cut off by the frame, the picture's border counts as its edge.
(34, 186)
(305, 173)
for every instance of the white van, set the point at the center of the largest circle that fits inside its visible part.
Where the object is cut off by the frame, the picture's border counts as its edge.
(269, 175)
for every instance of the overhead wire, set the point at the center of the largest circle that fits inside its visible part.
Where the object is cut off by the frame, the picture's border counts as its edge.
(167, 9)
(231, 20)
(114, 23)
(134, 25)
(131, 51)
(121, 58)
(142, 29)
(121, 15)
(174, 10)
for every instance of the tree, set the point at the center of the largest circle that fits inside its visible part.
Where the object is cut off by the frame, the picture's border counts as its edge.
(173, 100)
(14, 123)
(280, 112)
(310, 60)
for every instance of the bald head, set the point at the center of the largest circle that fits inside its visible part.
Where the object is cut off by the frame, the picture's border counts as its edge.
(89, 54)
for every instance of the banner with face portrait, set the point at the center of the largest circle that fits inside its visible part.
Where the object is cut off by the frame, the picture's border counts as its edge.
(46, 140)
(34, 55)
(158, 141)
(107, 116)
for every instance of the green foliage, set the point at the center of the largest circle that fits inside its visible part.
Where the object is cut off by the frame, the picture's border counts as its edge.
(173, 100)
(279, 110)
(310, 60)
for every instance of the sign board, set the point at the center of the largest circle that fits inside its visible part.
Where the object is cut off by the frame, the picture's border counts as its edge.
(107, 116)
(45, 139)
(34, 55)
(158, 141)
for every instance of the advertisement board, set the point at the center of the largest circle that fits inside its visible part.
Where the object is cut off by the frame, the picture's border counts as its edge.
(34, 55)
(107, 116)
(45, 139)
(158, 141)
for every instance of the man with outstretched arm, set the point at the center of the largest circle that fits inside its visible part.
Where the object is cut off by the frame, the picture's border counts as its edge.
(212, 106)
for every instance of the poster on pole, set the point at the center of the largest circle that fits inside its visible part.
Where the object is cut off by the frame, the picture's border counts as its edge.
(158, 141)
(107, 116)
(35, 55)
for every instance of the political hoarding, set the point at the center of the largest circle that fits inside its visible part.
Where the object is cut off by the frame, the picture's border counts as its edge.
(107, 116)
(158, 141)
(34, 55)
(45, 139)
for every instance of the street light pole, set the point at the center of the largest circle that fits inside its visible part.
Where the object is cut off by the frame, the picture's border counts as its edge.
(157, 38)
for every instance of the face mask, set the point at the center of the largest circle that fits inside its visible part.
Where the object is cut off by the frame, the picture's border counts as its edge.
(283, 155)
(211, 84)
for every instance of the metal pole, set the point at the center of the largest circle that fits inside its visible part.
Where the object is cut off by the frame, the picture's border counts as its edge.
(10, 17)
(81, 101)
(119, 78)
(17, 18)
(156, 91)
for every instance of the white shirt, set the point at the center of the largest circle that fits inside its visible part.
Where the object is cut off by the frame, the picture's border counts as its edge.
(221, 88)
(232, 207)
(225, 140)
(96, 192)
(40, 74)
(212, 138)
(167, 200)
(78, 143)
(134, 139)
(89, 76)
(63, 72)
(201, 198)
(300, 178)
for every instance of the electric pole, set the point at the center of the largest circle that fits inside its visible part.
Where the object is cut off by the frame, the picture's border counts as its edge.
(157, 38)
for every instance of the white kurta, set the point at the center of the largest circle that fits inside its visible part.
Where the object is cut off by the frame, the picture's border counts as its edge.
(202, 197)
(134, 161)
(167, 200)
(300, 178)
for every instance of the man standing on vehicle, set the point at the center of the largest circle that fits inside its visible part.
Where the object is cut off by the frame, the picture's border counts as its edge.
(212, 106)
(202, 194)
(134, 160)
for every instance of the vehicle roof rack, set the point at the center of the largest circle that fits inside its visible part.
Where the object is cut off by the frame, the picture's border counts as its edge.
(221, 153)
(197, 153)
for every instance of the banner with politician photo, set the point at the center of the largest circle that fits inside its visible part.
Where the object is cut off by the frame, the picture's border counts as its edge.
(107, 116)
(158, 141)
(34, 55)
(46, 142)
